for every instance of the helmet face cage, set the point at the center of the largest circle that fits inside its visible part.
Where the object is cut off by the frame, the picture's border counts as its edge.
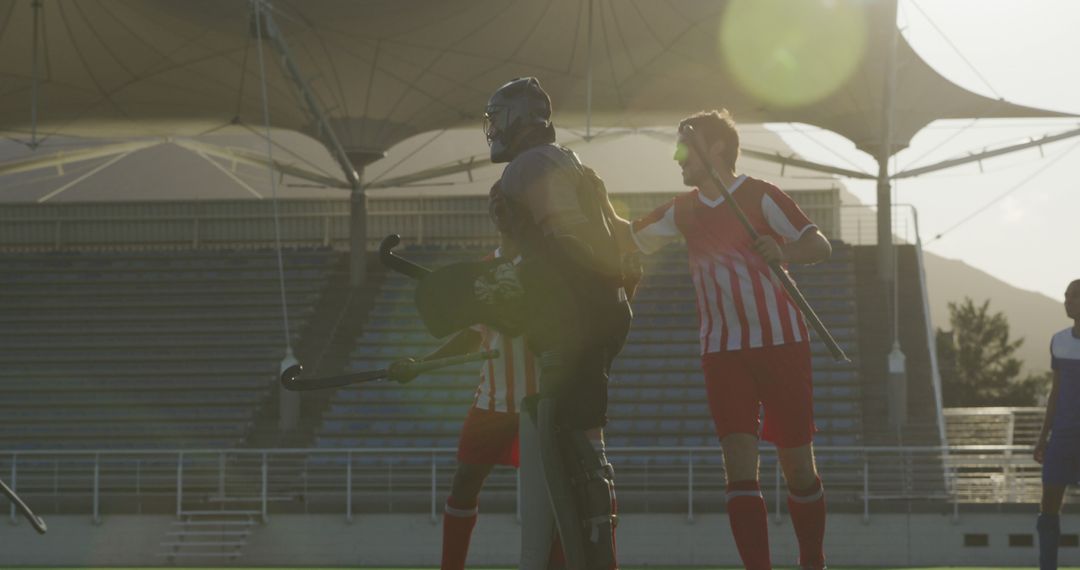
(519, 104)
(495, 122)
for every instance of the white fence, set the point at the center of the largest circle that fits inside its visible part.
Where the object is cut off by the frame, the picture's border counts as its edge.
(858, 224)
(357, 481)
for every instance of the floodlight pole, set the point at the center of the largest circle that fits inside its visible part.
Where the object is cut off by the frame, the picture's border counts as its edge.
(357, 199)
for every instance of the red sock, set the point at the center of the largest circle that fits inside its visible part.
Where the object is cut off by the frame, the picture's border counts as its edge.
(458, 522)
(556, 559)
(807, 508)
(749, 523)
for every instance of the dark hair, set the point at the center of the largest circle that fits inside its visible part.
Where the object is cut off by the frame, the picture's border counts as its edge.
(717, 125)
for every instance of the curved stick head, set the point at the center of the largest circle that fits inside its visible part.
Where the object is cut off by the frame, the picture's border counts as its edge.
(291, 375)
(397, 263)
(39, 525)
(389, 242)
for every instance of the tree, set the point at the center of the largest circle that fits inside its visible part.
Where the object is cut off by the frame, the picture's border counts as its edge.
(977, 363)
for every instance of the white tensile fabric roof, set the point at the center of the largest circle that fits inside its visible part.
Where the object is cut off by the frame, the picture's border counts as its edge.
(384, 70)
(159, 169)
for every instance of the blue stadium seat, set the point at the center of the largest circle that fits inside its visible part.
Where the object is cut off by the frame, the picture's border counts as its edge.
(669, 427)
(677, 410)
(150, 317)
(644, 426)
(648, 408)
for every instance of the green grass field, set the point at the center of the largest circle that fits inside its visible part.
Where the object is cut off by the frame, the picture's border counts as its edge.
(625, 567)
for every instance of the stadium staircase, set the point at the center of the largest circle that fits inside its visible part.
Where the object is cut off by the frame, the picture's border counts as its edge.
(209, 536)
(323, 347)
(897, 477)
(657, 396)
(222, 501)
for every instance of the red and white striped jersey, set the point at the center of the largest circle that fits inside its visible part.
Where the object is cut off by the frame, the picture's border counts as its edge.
(505, 380)
(741, 304)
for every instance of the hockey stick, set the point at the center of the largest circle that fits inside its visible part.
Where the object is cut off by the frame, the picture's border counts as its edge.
(290, 378)
(397, 263)
(36, 521)
(837, 353)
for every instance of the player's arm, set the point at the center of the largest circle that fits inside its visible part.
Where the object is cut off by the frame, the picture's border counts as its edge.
(624, 232)
(1044, 434)
(649, 233)
(811, 247)
(461, 342)
(803, 243)
(622, 228)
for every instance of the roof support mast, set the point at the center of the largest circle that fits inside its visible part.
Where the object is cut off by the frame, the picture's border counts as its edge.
(885, 265)
(37, 79)
(589, 77)
(358, 209)
(886, 252)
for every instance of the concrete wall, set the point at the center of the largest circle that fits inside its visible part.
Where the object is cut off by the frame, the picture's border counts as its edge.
(644, 539)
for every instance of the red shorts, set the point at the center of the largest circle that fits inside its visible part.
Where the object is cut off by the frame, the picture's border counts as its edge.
(489, 438)
(739, 383)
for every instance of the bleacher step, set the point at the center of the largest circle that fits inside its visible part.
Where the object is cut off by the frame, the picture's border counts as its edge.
(245, 523)
(209, 533)
(236, 554)
(184, 544)
(269, 499)
(221, 513)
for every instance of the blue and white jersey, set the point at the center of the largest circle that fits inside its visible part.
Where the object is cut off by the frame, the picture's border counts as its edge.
(1065, 360)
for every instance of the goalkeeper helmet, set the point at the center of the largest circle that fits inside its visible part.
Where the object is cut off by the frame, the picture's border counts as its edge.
(513, 110)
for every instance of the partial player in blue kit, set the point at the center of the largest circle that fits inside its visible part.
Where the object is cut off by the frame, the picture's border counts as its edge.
(1058, 448)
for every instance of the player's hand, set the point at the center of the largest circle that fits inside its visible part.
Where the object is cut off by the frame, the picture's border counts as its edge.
(632, 272)
(1040, 452)
(767, 248)
(402, 370)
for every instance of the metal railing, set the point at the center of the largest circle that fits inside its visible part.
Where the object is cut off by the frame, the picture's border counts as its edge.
(1008, 425)
(448, 220)
(858, 224)
(361, 481)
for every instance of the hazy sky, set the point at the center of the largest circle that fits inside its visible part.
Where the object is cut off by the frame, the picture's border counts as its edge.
(1028, 52)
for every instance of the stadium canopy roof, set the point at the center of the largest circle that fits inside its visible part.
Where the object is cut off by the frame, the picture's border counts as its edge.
(362, 75)
(383, 70)
(185, 169)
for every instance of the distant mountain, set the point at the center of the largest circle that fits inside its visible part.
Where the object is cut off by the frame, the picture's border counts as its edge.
(1031, 315)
